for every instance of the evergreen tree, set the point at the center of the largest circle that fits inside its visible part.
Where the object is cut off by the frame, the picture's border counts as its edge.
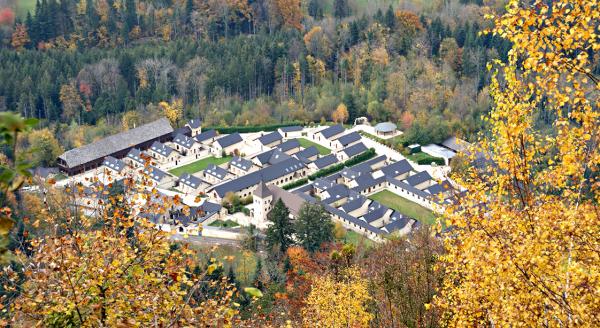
(313, 227)
(279, 234)
(315, 10)
(131, 19)
(390, 18)
(92, 16)
(340, 8)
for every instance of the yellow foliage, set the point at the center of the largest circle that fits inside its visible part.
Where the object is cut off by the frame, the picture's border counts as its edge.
(340, 115)
(173, 111)
(526, 248)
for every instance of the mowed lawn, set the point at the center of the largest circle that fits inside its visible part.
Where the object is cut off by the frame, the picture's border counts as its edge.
(307, 143)
(404, 206)
(199, 165)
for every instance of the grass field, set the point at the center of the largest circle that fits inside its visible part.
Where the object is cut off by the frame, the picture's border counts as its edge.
(420, 156)
(24, 6)
(307, 143)
(404, 206)
(199, 165)
(357, 239)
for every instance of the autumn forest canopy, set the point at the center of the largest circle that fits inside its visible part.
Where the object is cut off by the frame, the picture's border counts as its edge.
(516, 244)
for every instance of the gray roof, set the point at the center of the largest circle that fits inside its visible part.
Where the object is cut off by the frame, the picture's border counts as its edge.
(385, 127)
(262, 191)
(336, 193)
(278, 156)
(216, 171)
(366, 180)
(290, 144)
(418, 178)
(398, 224)
(155, 174)
(323, 184)
(206, 135)
(355, 149)
(349, 173)
(241, 163)
(113, 163)
(353, 205)
(194, 123)
(455, 144)
(309, 152)
(292, 128)
(270, 138)
(397, 168)
(368, 165)
(292, 201)
(184, 141)
(349, 138)
(325, 161)
(409, 188)
(229, 140)
(161, 149)
(351, 219)
(267, 174)
(137, 155)
(375, 214)
(332, 131)
(190, 180)
(115, 143)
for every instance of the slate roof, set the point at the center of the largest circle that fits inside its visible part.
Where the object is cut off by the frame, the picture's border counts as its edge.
(418, 178)
(351, 219)
(325, 161)
(397, 168)
(397, 224)
(270, 138)
(136, 155)
(267, 174)
(349, 173)
(278, 156)
(368, 165)
(323, 184)
(455, 144)
(229, 140)
(336, 193)
(438, 188)
(206, 135)
(155, 174)
(353, 205)
(290, 144)
(376, 214)
(161, 149)
(184, 141)
(115, 143)
(241, 163)
(183, 130)
(349, 138)
(355, 149)
(332, 131)
(190, 180)
(262, 191)
(292, 201)
(309, 152)
(292, 128)
(216, 171)
(113, 163)
(194, 123)
(366, 180)
(408, 187)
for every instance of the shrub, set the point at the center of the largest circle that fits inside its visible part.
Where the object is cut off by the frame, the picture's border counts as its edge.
(248, 129)
(428, 161)
(295, 184)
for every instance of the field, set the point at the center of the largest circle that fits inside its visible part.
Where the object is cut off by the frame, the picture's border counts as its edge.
(243, 262)
(404, 206)
(24, 6)
(357, 239)
(307, 143)
(199, 165)
(421, 156)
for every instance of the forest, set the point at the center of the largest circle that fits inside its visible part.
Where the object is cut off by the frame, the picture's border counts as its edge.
(81, 66)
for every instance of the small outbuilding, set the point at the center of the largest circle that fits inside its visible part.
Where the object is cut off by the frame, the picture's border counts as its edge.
(385, 128)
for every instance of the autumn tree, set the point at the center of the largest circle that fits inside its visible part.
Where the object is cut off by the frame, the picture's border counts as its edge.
(290, 12)
(71, 102)
(131, 119)
(20, 37)
(525, 248)
(338, 301)
(173, 111)
(340, 115)
(44, 147)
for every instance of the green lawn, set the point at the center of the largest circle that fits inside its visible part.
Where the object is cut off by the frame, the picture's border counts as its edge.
(224, 224)
(199, 165)
(421, 156)
(357, 239)
(307, 143)
(404, 206)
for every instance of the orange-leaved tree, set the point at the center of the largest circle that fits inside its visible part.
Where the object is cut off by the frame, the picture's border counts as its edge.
(526, 245)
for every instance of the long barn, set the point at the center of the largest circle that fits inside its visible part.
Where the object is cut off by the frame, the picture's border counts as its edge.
(90, 156)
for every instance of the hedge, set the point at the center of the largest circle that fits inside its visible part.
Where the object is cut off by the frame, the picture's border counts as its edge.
(338, 167)
(295, 184)
(428, 161)
(249, 129)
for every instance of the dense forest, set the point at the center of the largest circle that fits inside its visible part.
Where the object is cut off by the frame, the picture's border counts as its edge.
(79, 63)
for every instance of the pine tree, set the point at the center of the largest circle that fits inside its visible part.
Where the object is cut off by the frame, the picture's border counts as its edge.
(279, 234)
(315, 10)
(313, 227)
(341, 9)
(390, 18)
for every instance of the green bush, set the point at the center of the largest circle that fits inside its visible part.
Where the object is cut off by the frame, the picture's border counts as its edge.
(295, 184)
(249, 129)
(361, 158)
(327, 171)
(338, 167)
(428, 161)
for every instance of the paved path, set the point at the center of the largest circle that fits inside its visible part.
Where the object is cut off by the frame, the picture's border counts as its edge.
(205, 241)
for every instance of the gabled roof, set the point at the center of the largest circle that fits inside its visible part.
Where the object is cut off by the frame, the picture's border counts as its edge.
(397, 168)
(292, 201)
(349, 138)
(292, 128)
(308, 152)
(376, 214)
(278, 156)
(216, 171)
(184, 141)
(190, 180)
(206, 135)
(241, 163)
(332, 131)
(161, 149)
(325, 161)
(113, 163)
(115, 143)
(136, 155)
(194, 123)
(398, 224)
(348, 173)
(262, 191)
(455, 144)
(351, 219)
(409, 188)
(336, 193)
(155, 174)
(439, 188)
(183, 130)
(353, 205)
(355, 149)
(366, 180)
(267, 174)
(270, 138)
(418, 178)
(229, 140)
(323, 184)
(290, 144)
(368, 165)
